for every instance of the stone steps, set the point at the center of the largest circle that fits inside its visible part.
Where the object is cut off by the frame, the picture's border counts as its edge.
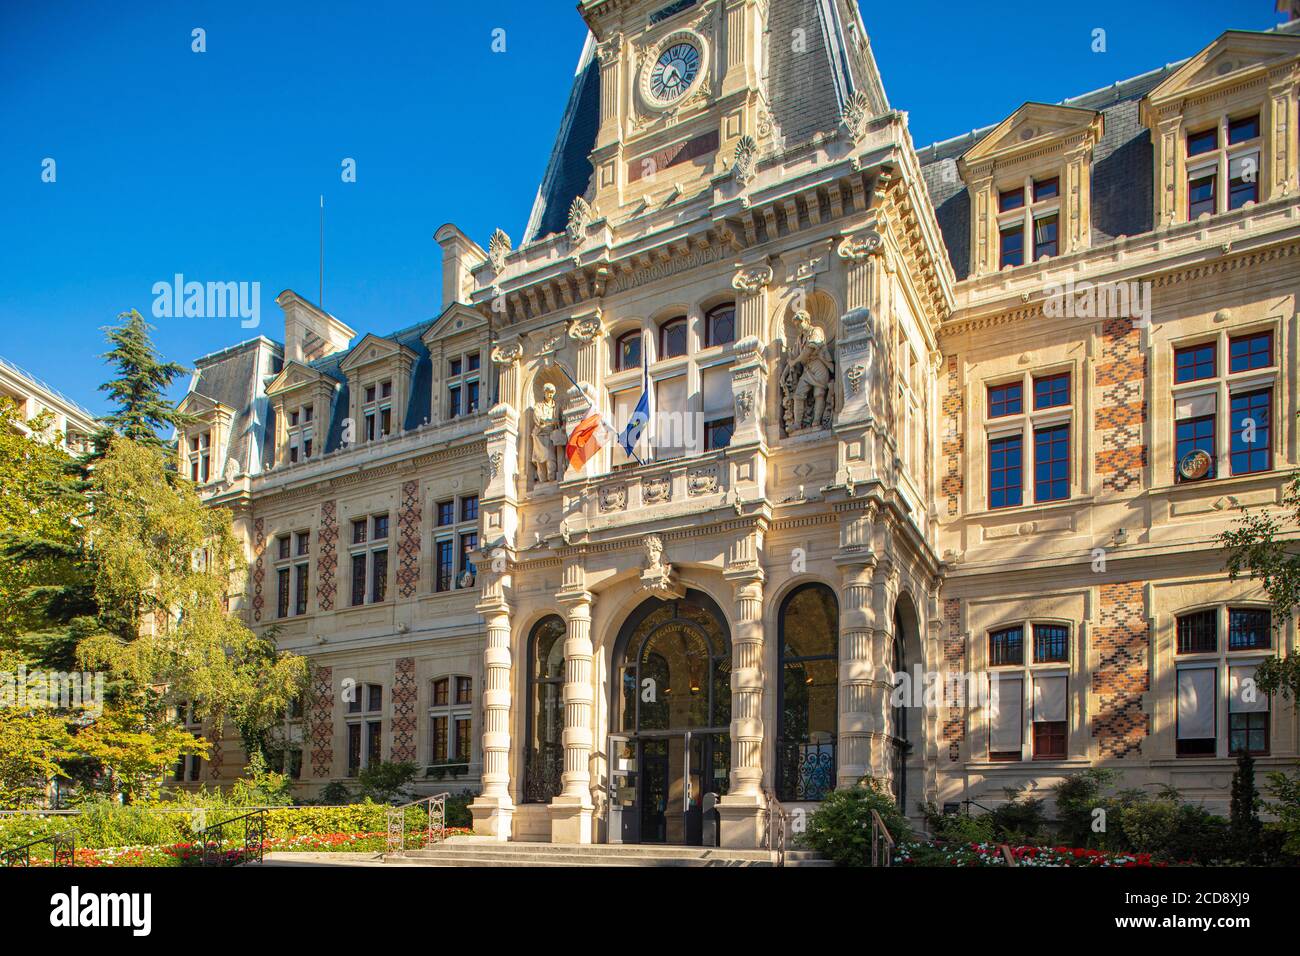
(479, 851)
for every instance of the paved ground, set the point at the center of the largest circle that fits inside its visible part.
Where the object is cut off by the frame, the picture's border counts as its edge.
(321, 859)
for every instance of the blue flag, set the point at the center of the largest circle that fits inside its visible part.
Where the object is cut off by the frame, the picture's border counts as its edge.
(640, 417)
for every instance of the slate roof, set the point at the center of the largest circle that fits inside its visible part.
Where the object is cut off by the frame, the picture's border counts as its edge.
(233, 377)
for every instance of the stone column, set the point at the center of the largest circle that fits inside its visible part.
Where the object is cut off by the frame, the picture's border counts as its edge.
(571, 809)
(866, 673)
(493, 810)
(743, 810)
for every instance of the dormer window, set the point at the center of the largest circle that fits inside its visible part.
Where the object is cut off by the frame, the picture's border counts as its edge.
(377, 410)
(200, 457)
(1033, 209)
(463, 385)
(1228, 152)
(301, 433)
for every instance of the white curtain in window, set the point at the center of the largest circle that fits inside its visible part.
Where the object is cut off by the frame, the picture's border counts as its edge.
(715, 388)
(1196, 702)
(622, 404)
(1049, 697)
(671, 421)
(1244, 696)
(1006, 709)
(1195, 406)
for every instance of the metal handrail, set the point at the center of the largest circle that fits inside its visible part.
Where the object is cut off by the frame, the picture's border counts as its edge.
(213, 837)
(435, 829)
(881, 841)
(775, 837)
(22, 855)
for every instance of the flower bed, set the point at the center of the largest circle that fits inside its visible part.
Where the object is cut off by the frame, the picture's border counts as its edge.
(990, 854)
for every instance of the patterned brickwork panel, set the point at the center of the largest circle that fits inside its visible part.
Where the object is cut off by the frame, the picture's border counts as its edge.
(216, 758)
(1121, 408)
(259, 568)
(320, 721)
(327, 560)
(954, 663)
(952, 439)
(1122, 677)
(408, 542)
(404, 702)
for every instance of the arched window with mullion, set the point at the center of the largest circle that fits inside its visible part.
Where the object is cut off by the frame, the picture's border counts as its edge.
(545, 751)
(807, 716)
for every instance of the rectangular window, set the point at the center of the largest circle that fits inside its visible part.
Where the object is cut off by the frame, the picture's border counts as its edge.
(1046, 236)
(453, 402)
(1051, 643)
(358, 579)
(1052, 463)
(1007, 647)
(282, 592)
(1052, 391)
(455, 367)
(374, 743)
(1247, 712)
(1196, 711)
(1198, 633)
(1051, 707)
(1047, 188)
(1193, 434)
(469, 508)
(1194, 363)
(282, 547)
(386, 390)
(359, 531)
(385, 422)
(1249, 629)
(1006, 400)
(1243, 180)
(463, 739)
(196, 764)
(1250, 418)
(379, 571)
(440, 687)
(1201, 193)
(380, 528)
(471, 397)
(1011, 199)
(439, 739)
(471, 362)
(446, 513)
(1243, 130)
(1206, 141)
(300, 589)
(293, 764)
(443, 565)
(1249, 352)
(1005, 472)
(374, 697)
(718, 434)
(304, 543)
(1006, 717)
(370, 427)
(464, 689)
(466, 570)
(354, 749)
(1012, 245)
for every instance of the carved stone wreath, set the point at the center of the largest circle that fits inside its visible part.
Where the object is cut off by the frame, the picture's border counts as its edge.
(613, 498)
(703, 481)
(656, 490)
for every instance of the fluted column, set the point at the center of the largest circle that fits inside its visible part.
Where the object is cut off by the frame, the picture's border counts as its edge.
(571, 809)
(743, 809)
(866, 675)
(493, 810)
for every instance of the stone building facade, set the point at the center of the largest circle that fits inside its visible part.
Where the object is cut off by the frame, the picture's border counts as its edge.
(976, 410)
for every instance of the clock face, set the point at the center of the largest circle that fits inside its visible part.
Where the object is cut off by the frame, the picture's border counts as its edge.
(674, 72)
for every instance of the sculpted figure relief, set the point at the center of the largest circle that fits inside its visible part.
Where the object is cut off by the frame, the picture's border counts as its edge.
(807, 378)
(548, 437)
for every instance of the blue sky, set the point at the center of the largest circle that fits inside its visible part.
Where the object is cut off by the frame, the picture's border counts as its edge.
(211, 164)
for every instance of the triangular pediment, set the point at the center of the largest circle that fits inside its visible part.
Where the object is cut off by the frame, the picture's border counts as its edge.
(1031, 127)
(456, 319)
(293, 375)
(1232, 57)
(200, 406)
(373, 348)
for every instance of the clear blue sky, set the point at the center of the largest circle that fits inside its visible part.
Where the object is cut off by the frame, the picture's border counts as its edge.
(210, 164)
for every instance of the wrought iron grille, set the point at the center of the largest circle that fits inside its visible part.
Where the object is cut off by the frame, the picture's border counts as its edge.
(251, 830)
(805, 771)
(775, 837)
(433, 819)
(63, 851)
(542, 774)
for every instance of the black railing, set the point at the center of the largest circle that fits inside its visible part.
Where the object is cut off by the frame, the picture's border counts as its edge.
(433, 822)
(774, 838)
(63, 851)
(251, 828)
(542, 774)
(804, 771)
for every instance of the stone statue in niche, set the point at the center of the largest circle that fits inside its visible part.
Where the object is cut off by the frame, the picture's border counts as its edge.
(546, 453)
(807, 379)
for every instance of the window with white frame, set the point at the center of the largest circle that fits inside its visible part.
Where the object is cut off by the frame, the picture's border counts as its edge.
(1219, 708)
(1222, 162)
(301, 429)
(365, 727)
(1029, 428)
(200, 456)
(188, 766)
(454, 543)
(1029, 221)
(1029, 685)
(377, 410)
(451, 720)
(369, 554)
(463, 384)
(1224, 410)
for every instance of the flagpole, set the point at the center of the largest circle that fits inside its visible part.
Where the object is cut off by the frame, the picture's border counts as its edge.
(590, 404)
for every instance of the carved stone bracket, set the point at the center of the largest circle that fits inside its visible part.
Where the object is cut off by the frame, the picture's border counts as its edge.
(658, 577)
(752, 279)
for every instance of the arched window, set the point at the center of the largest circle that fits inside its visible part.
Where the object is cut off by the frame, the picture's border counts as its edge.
(672, 338)
(720, 325)
(809, 694)
(545, 754)
(627, 351)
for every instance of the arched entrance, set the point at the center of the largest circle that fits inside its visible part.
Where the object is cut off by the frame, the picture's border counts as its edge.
(670, 746)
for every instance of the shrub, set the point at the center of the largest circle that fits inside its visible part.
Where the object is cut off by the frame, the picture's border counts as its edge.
(387, 782)
(1244, 827)
(106, 823)
(1286, 791)
(1020, 820)
(1077, 796)
(957, 827)
(840, 829)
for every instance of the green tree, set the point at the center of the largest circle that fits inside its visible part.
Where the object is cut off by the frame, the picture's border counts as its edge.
(140, 388)
(1259, 547)
(33, 744)
(1244, 826)
(134, 750)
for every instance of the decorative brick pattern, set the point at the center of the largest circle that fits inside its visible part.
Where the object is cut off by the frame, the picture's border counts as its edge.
(408, 541)
(327, 558)
(953, 447)
(259, 568)
(320, 720)
(216, 757)
(1122, 643)
(404, 703)
(1121, 410)
(954, 662)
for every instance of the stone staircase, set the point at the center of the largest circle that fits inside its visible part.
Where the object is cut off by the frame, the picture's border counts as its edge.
(484, 851)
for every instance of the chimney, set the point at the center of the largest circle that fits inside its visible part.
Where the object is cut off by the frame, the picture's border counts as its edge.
(310, 332)
(1290, 7)
(460, 256)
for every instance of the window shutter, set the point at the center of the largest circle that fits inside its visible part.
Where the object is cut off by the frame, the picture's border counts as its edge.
(715, 384)
(1239, 690)
(1196, 702)
(1049, 698)
(1006, 710)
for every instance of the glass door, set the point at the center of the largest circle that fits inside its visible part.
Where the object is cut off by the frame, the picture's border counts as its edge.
(624, 809)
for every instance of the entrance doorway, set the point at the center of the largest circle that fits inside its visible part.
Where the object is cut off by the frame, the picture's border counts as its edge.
(670, 758)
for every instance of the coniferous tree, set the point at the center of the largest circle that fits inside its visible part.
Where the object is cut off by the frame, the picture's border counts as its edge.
(1244, 826)
(140, 388)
